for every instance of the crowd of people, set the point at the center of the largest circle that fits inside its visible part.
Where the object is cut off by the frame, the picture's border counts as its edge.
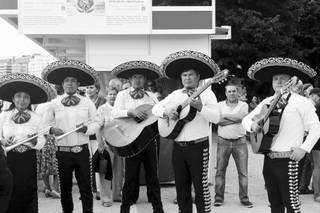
(62, 133)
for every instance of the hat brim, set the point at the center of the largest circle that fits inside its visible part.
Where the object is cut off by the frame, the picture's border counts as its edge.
(58, 76)
(145, 72)
(57, 71)
(175, 68)
(126, 70)
(267, 73)
(178, 62)
(265, 69)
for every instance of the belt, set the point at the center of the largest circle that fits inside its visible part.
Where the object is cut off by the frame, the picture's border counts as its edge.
(232, 139)
(190, 143)
(22, 148)
(273, 155)
(73, 149)
(92, 137)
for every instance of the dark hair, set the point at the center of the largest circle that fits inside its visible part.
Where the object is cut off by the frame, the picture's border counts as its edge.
(231, 84)
(59, 89)
(97, 85)
(315, 91)
(12, 106)
(306, 86)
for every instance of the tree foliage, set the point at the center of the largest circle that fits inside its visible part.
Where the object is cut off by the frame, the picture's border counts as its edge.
(288, 28)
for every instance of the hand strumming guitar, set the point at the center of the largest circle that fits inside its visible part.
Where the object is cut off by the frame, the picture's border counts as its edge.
(171, 114)
(137, 114)
(255, 127)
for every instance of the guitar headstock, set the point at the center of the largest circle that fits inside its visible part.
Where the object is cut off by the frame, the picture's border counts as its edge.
(290, 85)
(220, 77)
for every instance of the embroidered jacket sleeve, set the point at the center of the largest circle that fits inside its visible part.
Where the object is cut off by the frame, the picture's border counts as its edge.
(210, 109)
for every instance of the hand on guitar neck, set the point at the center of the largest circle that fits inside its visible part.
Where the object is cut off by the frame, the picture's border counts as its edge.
(138, 116)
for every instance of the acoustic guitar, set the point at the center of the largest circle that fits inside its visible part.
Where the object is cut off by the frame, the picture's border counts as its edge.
(122, 133)
(170, 128)
(261, 141)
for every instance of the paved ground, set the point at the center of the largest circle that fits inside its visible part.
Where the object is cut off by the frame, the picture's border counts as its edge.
(257, 195)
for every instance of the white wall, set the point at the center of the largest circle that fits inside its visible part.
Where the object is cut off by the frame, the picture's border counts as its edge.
(104, 53)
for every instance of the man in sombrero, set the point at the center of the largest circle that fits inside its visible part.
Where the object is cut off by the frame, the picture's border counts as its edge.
(297, 115)
(68, 111)
(190, 154)
(126, 103)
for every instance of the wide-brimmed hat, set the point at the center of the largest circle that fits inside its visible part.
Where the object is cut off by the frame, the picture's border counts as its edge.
(57, 71)
(265, 69)
(174, 64)
(39, 90)
(125, 70)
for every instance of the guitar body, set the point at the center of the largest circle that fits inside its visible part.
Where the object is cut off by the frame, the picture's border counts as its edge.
(171, 129)
(261, 141)
(123, 133)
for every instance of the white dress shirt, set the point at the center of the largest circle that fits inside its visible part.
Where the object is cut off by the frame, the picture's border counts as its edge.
(66, 118)
(235, 130)
(124, 102)
(199, 126)
(8, 128)
(298, 116)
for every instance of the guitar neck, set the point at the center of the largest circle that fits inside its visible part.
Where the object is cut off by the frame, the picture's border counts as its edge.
(196, 94)
(272, 106)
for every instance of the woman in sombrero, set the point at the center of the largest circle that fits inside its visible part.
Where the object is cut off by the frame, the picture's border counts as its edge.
(297, 115)
(16, 124)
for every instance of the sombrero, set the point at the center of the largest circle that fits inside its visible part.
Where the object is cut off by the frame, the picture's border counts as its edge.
(57, 71)
(174, 64)
(125, 70)
(264, 69)
(39, 90)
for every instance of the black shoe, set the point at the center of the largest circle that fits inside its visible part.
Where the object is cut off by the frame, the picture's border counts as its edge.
(305, 191)
(218, 203)
(247, 203)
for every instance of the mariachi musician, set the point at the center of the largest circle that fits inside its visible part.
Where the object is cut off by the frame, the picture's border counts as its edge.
(17, 124)
(75, 117)
(190, 154)
(297, 115)
(138, 72)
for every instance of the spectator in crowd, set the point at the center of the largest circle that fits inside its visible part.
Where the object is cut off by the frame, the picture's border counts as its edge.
(232, 141)
(92, 92)
(306, 164)
(104, 112)
(315, 97)
(254, 102)
(116, 83)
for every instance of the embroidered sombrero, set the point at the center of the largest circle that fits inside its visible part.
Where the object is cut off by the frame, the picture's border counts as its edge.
(125, 70)
(39, 90)
(264, 69)
(174, 64)
(57, 71)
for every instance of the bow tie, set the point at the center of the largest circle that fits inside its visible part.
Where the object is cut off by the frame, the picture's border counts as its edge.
(189, 92)
(21, 117)
(70, 100)
(137, 93)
